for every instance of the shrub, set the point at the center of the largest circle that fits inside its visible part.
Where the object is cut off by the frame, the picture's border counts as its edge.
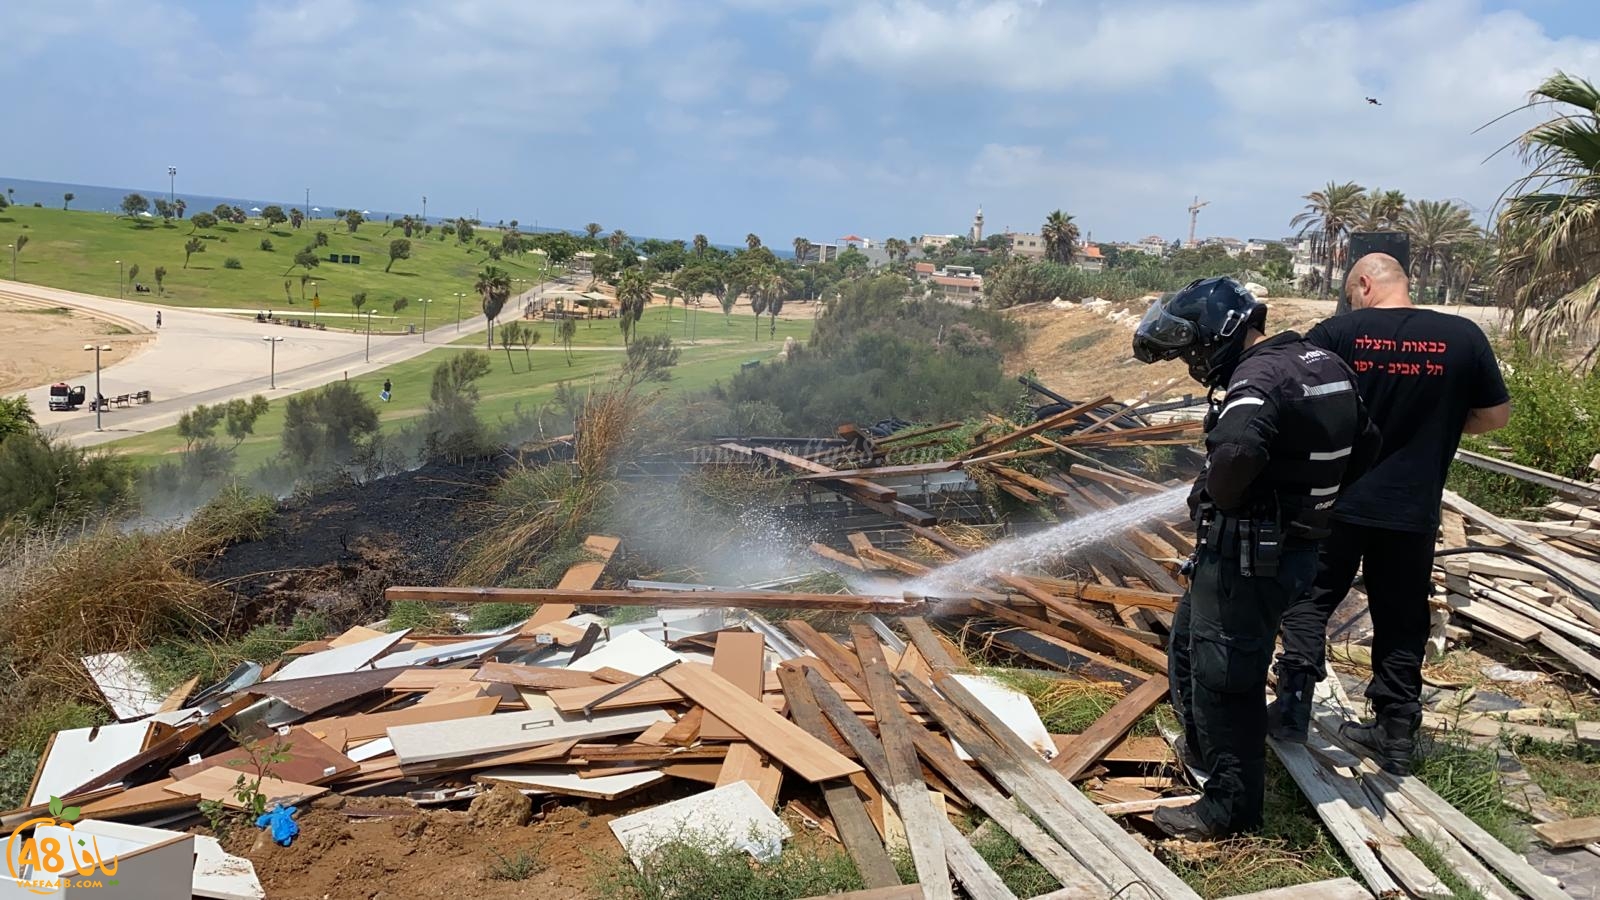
(450, 428)
(266, 244)
(232, 262)
(43, 479)
(326, 428)
(651, 356)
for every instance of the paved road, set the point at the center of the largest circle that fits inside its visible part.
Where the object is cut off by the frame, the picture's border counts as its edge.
(206, 357)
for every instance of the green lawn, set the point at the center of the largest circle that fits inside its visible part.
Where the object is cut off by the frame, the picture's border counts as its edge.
(724, 345)
(707, 325)
(78, 251)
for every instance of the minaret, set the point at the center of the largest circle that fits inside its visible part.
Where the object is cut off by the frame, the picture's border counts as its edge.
(977, 226)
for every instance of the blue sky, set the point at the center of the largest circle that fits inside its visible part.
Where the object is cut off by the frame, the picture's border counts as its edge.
(805, 117)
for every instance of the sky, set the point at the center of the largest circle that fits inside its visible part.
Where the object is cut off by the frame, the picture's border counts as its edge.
(814, 118)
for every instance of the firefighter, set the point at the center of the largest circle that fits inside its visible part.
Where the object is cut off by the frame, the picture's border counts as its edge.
(1289, 435)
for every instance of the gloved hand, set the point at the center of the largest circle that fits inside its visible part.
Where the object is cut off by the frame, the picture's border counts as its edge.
(281, 820)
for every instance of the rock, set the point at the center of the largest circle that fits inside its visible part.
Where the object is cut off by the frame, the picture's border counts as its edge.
(330, 801)
(500, 807)
(1260, 291)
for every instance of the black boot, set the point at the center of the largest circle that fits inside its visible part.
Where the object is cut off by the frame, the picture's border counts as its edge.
(1289, 716)
(1186, 822)
(1389, 740)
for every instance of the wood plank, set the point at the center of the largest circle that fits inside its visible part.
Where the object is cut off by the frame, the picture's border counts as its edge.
(832, 555)
(658, 599)
(896, 892)
(740, 657)
(1584, 575)
(431, 741)
(842, 664)
(745, 763)
(905, 785)
(861, 545)
(1336, 814)
(308, 759)
(687, 729)
(366, 726)
(794, 748)
(856, 485)
(856, 832)
(1566, 487)
(1569, 833)
(218, 783)
(928, 644)
(1085, 622)
(649, 692)
(1049, 423)
(1331, 889)
(421, 679)
(1109, 728)
(1518, 628)
(1060, 653)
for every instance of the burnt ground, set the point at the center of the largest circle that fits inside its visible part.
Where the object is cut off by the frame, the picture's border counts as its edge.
(336, 549)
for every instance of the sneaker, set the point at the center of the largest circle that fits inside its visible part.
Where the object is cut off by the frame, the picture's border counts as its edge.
(1389, 741)
(1186, 823)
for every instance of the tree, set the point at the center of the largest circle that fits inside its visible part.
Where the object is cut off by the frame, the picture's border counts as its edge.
(700, 244)
(353, 220)
(161, 276)
(358, 300)
(320, 239)
(1549, 262)
(802, 250)
(240, 419)
(494, 286)
(67, 198)
(1380, 210)
(200, 423)
(134, 204)
(1060, 237)
(201, 220)
(567, 330)
(464, 231)
(1434, 226)
(633, 293)
(593, 230)
(22, 241)
(1327, 217)
(603, 267)
(164, 209)
(617, 240)
(399, 248)
(133, 271)
(511, 336)
(4, 202)
(306, 257)
(193, 246)
(223, 212)
(237, 216)
(651, 355)
(530, 337)
(179, 205)
(16, 417)
(752, 240)
(266, 245)
(274, 215)
(401, 303)
(450, 427)
(288, 295)
(296, 217)
(326, 427)
(897, 249)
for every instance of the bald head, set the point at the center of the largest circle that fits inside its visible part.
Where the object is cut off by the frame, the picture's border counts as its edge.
(1377, 280)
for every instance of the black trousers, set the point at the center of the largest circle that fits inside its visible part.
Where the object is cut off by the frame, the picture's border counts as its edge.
(1399, 577)
(1222, 641)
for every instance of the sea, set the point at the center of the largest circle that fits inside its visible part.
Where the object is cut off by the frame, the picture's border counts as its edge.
(100, 198)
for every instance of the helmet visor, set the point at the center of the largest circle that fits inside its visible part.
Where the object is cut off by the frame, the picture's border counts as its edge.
(1161, 335)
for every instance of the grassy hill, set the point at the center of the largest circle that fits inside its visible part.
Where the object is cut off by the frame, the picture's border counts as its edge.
(79, 251)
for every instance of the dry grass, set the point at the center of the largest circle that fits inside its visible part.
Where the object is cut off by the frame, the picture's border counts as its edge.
(1240, 865)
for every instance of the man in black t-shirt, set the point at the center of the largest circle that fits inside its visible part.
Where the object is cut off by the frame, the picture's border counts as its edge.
(1426, 378)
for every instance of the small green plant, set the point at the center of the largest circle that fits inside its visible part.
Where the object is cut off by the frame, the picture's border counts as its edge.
(515, 868)
(266, 244)
(262, 758)
(232, 262)
(1468, 778)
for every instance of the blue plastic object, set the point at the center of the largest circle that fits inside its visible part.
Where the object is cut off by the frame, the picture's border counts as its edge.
(281, 820)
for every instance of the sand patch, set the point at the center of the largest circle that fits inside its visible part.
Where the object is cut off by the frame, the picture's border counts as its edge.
(44, 344)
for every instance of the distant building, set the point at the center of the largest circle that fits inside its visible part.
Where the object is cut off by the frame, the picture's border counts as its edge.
(1232, 246)
(977, 228)
(1026, 243)
(1089, 258)
(934, 241)
(1151, 244)
(820, 253)
(948, 287)
(923, 270)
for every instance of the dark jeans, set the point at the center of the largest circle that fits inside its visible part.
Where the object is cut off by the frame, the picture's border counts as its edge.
(1399, 573)
(1222, 641)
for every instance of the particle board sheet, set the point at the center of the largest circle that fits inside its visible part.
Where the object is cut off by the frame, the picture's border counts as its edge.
(219, 875)
(218, 783)
(307, 759)
(559, 780)
(650, 692)
(340, 660)
(144, 799)
(740, 657)
(373, 725)
(446, 653)
(355, 635)
(1012, 707)
(635, 653)
(542, 678)
(782, 740)
(744, 763)
(431, 741)
(314, 694)
(729, 813)
(128, 691)
(78, 756)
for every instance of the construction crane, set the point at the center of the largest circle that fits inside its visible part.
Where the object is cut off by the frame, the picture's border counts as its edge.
(1194, 215)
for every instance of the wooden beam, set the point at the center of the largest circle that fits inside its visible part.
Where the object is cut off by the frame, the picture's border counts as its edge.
(739, 657)
(1065, 417)
(832, 555)
(658, 599)
(1584, 575)
(1109, 728)
(1566, 487)
(1569, 833)
(927, 643)
(1085, 622)
(932, 468)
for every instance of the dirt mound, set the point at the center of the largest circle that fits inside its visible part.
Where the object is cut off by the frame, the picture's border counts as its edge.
(382, 849)
(1084, 352)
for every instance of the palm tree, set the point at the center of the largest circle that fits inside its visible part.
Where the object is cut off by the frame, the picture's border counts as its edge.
(633, 293)
(593, 230)
(494, 286)
(1381, 210)
(1060, 237)
(802, 250)
(617, 239)
(752, 240)
(1434, 226)
(1327, 217)
(1550, 229)
(897, 249)
(701, 243)
(67, 198)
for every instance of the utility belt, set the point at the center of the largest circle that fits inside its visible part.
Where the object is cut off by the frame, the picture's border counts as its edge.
(1256, 539)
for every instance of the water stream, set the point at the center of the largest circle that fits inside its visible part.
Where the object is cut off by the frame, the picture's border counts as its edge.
(1029, 553)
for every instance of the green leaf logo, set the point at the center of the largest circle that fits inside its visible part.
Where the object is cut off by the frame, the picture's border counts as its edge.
(55, 806)
(70, 814)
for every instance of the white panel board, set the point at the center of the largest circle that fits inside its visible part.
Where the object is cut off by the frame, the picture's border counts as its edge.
(339, 660)
(431, 741)
(79, 755)
(731, 814)
(635, 653)
(1012, 707)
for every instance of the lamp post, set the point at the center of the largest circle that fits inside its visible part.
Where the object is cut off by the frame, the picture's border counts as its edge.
(13, 249)
(119, 281)
(458, 311)
(369, 335)
(99, 398)
(424, 301)
(424, 209)
(308, 203)
(316, 301)
(273, 370)
(172, 180)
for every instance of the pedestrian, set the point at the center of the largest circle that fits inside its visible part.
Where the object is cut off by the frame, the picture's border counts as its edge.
(388, 390)
(1426, 378)
(1290, 434)
(158, 318)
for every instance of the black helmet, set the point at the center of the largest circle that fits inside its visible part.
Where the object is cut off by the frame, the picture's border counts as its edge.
(1205, 323)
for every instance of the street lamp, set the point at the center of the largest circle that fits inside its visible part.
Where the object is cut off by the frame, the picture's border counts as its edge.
(424, 209)
(119, 281)
(273, 371)
(424, 301)
(99, 398)
(316, 301)
(13, 249)
(458, 310)
(369, 335)
(172, 179)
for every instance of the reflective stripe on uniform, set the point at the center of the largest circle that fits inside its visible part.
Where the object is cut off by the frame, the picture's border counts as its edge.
(1323, 491)
(1323, 456)
(1241, 402)
(1322, 389)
